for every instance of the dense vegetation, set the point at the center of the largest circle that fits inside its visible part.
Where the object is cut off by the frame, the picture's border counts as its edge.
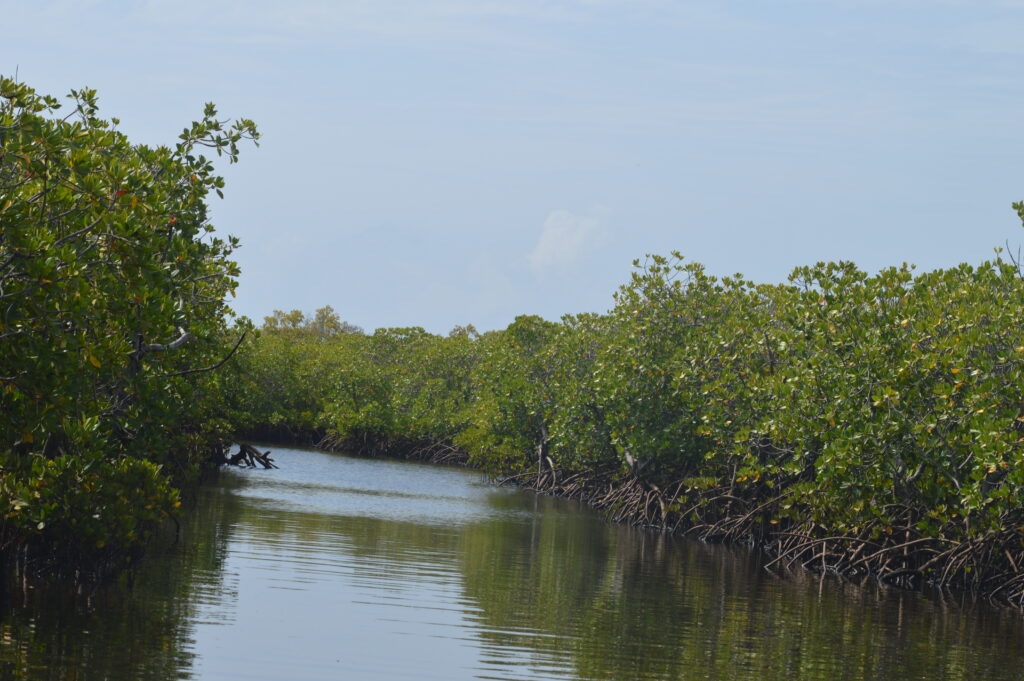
(112, 305)
(845, 421)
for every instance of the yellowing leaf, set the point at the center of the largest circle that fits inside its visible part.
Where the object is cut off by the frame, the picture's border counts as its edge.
(7, 204)
(954, 371)
(92, 360)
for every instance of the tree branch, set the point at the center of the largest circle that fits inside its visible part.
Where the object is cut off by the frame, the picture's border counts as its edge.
(218, 365)
(183, 338)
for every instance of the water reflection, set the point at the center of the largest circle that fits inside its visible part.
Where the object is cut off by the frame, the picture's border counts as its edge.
(139, 628)
(335, 567)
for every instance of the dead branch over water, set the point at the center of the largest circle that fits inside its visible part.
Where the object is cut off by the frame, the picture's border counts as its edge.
(248, 455)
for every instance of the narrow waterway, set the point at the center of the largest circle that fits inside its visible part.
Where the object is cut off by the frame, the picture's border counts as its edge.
(336, 567)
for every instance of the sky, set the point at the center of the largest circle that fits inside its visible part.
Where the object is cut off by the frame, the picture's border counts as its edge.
(443, 162)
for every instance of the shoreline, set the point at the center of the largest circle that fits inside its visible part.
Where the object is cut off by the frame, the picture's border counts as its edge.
(986, 570)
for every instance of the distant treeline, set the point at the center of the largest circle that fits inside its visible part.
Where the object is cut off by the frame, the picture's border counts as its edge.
(845, 422)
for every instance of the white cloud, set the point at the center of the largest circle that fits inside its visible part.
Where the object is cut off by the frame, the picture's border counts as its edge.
(564, 237)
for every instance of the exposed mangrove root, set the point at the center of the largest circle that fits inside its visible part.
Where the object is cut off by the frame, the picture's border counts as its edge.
(439, 453)
(367, 444)
(990, 567)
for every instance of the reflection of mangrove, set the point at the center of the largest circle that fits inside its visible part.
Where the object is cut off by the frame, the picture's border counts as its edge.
(990, 565)
(636, 605)
(543, 584)
(59, 631)
(745, 515)
(565, 588)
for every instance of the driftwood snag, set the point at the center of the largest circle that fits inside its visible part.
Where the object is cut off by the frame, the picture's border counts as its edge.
(250, 456)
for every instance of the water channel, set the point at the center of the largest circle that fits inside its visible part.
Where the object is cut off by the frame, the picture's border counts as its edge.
(336, 567)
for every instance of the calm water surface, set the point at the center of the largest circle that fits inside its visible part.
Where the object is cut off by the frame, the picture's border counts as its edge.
(342, 568)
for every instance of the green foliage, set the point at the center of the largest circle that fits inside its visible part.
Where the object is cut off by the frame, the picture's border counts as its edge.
(85, 502)
(876, 403)
(400, 387)
(580, 429)
(113, 289)
(905, 393)
(509, 423)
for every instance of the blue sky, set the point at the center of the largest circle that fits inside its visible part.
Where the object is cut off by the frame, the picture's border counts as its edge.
(443, 162)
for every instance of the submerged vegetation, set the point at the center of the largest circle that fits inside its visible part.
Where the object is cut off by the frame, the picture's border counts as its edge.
(113, 297)
(854, 423)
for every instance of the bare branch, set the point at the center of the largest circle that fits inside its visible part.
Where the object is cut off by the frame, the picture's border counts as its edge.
(218, 365)
(183, 338)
